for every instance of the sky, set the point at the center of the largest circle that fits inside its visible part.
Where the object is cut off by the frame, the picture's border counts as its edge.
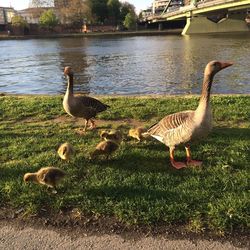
(23, 4)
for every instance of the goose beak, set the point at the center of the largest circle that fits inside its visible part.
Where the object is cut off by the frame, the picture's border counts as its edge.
(226, 64)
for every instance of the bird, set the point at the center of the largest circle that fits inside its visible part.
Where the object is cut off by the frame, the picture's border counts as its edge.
(103, 134)
(137, 133)
(80, 105)
(185, 127)
(48, 176)
(105, 148)
(113, 135)
(65, 151)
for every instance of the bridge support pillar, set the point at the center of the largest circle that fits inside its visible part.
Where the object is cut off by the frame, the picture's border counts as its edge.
(201, 24)
(160, 26)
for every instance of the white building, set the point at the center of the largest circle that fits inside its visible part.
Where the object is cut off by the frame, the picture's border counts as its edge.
(159, 6)
(6, 14)
(146, 13)
(32, 15)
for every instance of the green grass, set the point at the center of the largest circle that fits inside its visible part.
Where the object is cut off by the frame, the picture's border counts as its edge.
(138, 185)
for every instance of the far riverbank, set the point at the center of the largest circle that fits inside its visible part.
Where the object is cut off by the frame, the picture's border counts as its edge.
(96, 34)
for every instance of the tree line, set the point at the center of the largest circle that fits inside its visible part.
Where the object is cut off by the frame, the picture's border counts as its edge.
(79, 12)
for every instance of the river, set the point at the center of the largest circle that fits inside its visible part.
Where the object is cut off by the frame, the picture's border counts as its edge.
(138, 65)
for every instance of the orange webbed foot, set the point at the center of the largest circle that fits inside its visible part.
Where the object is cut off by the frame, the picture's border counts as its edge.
(178, 165)
(92, 125)
(194, 163)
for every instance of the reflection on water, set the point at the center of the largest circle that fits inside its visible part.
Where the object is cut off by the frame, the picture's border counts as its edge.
(124, 65)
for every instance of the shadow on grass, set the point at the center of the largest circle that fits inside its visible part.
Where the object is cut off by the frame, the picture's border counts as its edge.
(230, 133)
(119, 193)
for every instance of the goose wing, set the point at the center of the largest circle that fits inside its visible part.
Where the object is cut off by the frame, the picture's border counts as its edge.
(92, 103)
(170, 124)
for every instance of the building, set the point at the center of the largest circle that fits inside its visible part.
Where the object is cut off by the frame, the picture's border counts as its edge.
(146, 13)
(6, 14)
(32, 15)
(160, 6)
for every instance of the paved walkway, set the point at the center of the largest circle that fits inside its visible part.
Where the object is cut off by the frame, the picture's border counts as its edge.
(14, 237)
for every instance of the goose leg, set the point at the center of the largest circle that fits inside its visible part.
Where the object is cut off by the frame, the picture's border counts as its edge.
(139, 139)
(85, 125)
(92, 126)
(191, 162)
(176, 164)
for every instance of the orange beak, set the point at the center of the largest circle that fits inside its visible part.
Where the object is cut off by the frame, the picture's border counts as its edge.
(226, 64)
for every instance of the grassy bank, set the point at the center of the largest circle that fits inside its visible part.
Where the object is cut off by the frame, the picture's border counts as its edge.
(138, 185)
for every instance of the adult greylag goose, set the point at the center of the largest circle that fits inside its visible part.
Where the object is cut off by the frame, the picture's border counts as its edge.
(49, 176)
(188, 126)
(81, 106)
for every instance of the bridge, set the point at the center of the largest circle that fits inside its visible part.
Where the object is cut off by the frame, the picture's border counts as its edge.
(208, 16)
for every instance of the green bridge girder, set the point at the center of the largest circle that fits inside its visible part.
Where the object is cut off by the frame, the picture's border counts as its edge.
(198, 16)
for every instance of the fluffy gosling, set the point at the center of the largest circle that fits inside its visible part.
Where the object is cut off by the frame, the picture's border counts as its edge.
(113, 135)
(137, 133)
(49, 176)
(106, 147)
(66, 151)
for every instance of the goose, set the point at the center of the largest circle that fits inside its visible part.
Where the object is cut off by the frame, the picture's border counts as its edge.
(188, 126)
(65, 151)
(49, 176)
(81, 106)
(136, 133)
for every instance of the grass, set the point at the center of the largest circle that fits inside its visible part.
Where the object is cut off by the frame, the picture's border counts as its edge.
(138, 185)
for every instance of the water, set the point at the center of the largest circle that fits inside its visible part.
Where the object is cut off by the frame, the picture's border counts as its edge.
(124, 65)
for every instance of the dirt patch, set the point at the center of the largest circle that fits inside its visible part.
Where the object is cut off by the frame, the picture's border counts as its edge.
(64, 119)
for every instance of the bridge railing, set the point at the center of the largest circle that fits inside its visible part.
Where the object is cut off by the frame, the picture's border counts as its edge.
(192, 6)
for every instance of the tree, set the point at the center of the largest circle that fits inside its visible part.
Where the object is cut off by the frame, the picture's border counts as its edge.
(18, 21)
(114, 10)
(125, 9)
(99, 9)
(76, 13)
(48, 19)
(130, 21)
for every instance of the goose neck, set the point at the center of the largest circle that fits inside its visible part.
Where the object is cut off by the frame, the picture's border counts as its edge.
(70, 84)
(206, 88)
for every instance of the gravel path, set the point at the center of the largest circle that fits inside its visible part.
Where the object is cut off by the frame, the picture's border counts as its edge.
(26, 237)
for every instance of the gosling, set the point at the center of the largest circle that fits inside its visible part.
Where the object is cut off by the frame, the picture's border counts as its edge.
(106, 147)
(137, 133)
(48, 176)
(113, 135)
(66, 151)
